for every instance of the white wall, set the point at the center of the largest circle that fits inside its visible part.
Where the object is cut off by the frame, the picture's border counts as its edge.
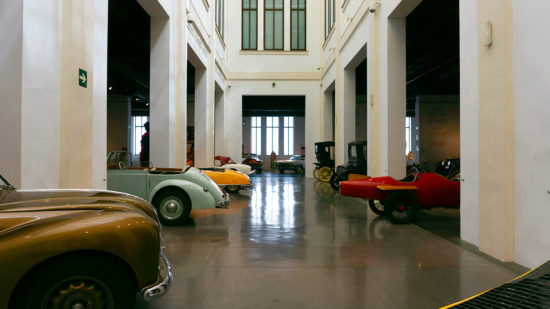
(531, 84)
(469, 122)
(40, 96)
(274, 61)
(57, 127)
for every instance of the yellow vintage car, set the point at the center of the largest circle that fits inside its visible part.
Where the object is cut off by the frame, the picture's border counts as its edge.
(229, 180)
(78, 249)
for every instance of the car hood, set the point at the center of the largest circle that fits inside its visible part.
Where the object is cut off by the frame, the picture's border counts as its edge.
(56, 200)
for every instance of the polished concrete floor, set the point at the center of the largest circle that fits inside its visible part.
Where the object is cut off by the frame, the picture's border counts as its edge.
(291, 242)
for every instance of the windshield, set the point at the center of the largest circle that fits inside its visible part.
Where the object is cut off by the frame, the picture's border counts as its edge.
(352, 153)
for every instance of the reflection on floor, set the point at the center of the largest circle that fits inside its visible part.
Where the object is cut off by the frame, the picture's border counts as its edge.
(291, 242)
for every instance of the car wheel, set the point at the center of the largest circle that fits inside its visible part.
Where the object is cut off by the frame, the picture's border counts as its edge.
(377, 207)
(401, 207)
(76, 282)
(174, 206)
(335, 180)
(233, 188)
(299, 169)
(281, 171)
(325, 173)
(316, 173)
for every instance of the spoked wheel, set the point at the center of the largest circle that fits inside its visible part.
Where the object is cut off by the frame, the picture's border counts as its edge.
(377, 207)
(316, 173)
(325, 173)
(174, 206)
(401, 207)
(76, 282)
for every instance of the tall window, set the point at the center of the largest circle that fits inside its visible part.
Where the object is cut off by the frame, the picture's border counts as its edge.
(330, 16)
(256, 136)
(408, 135)
(298, 24)
(220, 18)
(250, 24)
(272, 135)
(138, 130)
(273, 24)
(289, 135)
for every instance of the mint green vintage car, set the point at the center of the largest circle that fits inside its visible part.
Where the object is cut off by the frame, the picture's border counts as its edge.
(174, 192)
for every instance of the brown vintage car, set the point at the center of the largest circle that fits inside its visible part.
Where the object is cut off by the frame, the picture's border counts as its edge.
(78, 249)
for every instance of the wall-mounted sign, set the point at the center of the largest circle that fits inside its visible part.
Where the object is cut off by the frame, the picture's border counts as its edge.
(82, 78)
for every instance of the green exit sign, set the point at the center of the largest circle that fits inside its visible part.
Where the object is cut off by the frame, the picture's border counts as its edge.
(82, 78)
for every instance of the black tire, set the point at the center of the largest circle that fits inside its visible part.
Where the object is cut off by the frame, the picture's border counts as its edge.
(233, 188)
(335, 180)
(281, 171)
(299, 170)
(64, 282)
(173, 206)
(377, 207)
(401, 207)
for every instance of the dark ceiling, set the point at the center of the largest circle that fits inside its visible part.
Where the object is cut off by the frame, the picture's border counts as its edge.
(274, 106)
(433, 64)
(128, 51)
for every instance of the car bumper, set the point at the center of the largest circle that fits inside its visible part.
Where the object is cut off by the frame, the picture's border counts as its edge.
(164, 281)
(225, 203)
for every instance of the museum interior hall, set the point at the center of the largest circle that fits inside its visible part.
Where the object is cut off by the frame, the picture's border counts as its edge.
(274, 154)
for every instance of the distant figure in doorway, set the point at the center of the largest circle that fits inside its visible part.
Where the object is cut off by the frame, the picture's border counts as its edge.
(144, 154)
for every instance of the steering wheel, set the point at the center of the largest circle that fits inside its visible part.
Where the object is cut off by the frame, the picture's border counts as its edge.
(416, 173)
(121, 165)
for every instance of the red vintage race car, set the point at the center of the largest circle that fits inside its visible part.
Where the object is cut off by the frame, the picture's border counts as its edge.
(400, 200)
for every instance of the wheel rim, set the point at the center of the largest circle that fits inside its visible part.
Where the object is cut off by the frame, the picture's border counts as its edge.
(171, 208)
(402, 209)
(377, 205)
(325, 173)
(80, 292)
(316, 173)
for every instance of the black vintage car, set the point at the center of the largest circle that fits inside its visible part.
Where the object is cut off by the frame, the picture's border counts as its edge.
(324, 167)
(357, 164)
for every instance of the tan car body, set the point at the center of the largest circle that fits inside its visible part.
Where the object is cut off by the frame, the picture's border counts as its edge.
(44, 225)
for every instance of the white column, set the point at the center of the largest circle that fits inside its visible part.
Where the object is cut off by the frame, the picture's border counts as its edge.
(11, 60)
(219, 124)
(162, 108)
(392, 97)
(181, 84)
(202, 135)
(99, 139)
(345, 114)
(469, 123)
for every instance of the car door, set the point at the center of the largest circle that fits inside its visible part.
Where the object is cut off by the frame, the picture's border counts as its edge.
(128, 181)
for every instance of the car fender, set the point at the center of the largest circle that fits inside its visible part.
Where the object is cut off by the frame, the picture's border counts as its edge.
(200, 197)
(121, 234)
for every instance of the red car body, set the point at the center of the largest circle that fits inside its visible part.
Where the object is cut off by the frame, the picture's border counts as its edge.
(429, 189)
